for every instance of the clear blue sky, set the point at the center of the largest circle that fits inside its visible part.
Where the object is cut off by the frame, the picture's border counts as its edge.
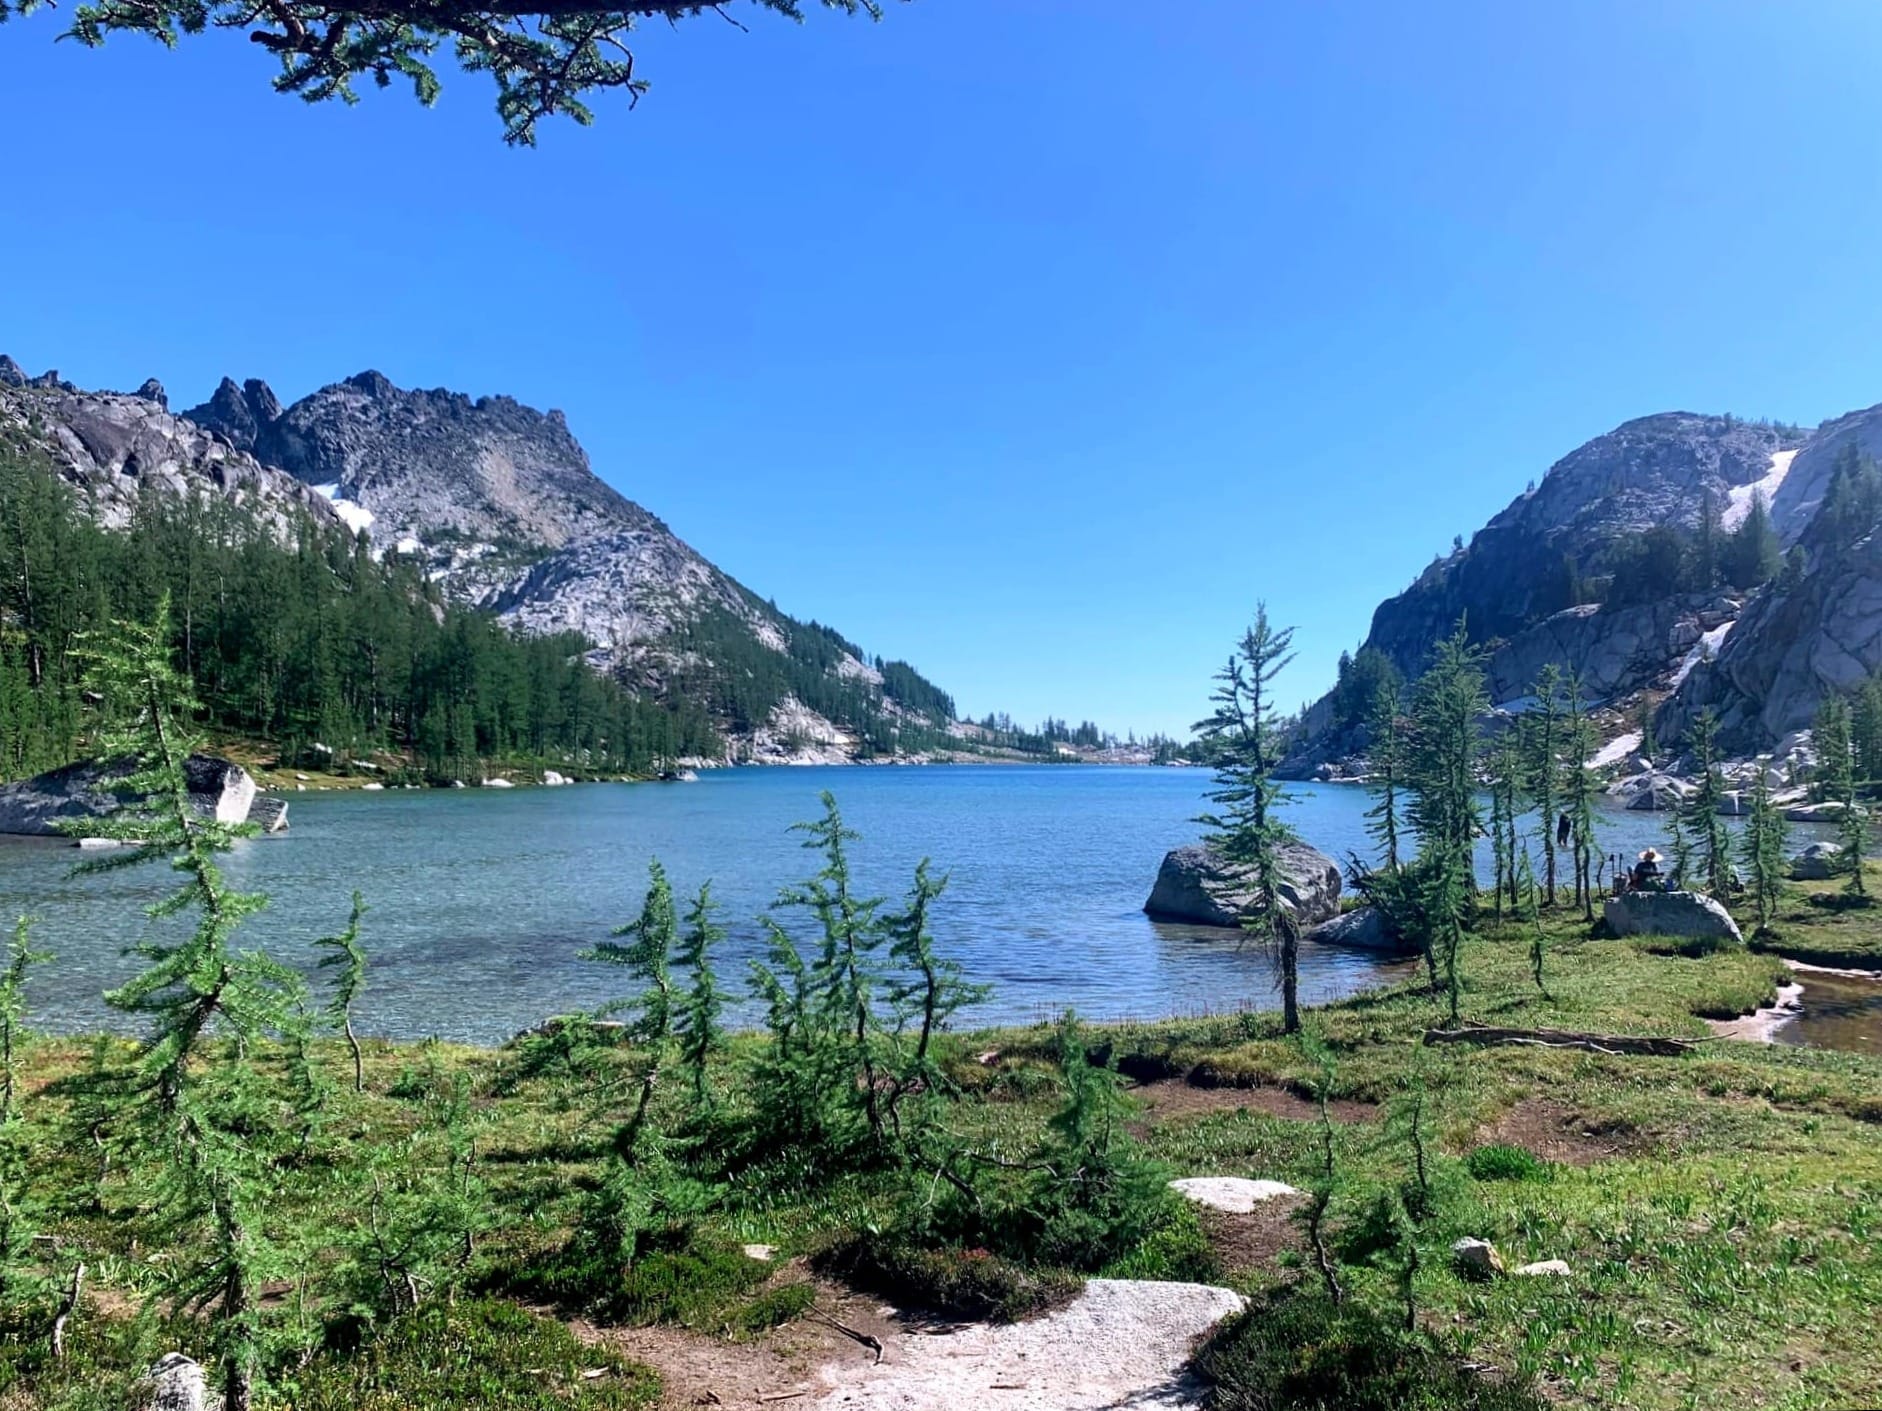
(1031, 340)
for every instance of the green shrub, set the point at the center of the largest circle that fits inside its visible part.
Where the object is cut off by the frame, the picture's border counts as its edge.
(690, 1285)
(1506, 1163)
(1840, 901)
(770, 1309)
(679, 1276)
(487, 1354)
(972, 1284)
(1299, 1352)
(1175, 1247)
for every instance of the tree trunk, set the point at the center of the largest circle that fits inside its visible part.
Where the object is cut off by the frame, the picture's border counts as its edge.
(359, 1064)
(1290, 981)
(238, 1368)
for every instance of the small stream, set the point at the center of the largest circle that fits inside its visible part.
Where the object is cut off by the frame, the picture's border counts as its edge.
(1839, 1011)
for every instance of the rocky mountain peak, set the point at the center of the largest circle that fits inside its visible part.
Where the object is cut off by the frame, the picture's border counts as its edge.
(437, 467)
(13, 375)
(372, 383)
(1520, 567)
(151, 390)
(238, 414)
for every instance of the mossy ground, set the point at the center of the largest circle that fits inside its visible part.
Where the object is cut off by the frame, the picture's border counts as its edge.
(1722, 1211)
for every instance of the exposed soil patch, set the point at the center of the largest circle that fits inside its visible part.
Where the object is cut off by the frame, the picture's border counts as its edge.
(697, 1369)
(1165, 1101)
(1254, 1242)
(1558, 1133)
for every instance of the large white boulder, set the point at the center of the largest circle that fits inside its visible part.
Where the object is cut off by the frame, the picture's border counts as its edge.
(1679, 914)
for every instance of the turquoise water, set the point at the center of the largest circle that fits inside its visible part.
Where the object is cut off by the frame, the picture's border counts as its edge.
(481, 899)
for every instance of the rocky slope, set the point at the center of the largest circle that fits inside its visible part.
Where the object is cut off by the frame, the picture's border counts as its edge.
(1763, 660)
(1656, 470)
(115, 447)
(1806, 635)
(498, 498)
(502, 506)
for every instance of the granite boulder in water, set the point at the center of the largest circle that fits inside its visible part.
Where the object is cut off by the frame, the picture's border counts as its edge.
(1818, 863)
(1194, 885)
(219, 789)
(1364, 928)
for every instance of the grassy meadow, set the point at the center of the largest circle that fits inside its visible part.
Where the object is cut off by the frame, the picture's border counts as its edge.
(1721, 1211)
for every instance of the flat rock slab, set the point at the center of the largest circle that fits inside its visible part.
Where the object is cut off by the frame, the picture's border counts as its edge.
(1231, 1193)
(1120, 1342)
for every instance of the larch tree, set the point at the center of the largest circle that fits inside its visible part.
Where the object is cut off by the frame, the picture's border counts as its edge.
(1543, 729)
(928, 991)
(1701, 815)
(1244, 834)
(546, 57)
(1761, 848)
(1834, 739)
(203, 1114)
(1447, 704)
(1580, 787)
(697, 1014)
(1503, 768)
(346, 958)
(1385, 720)
(645, 953)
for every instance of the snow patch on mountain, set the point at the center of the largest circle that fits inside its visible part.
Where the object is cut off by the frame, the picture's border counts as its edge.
(1616, 750)
(1739, 498)
(1705, 649)
(354, 515)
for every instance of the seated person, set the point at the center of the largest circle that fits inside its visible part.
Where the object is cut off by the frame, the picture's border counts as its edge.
(1646, 874)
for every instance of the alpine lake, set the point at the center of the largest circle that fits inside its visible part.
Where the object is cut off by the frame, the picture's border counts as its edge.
(481, 901)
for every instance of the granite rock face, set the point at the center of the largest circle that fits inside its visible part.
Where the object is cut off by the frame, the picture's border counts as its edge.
(1796, 643)
(433, 464)
(1192, 886)
(238, 414)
